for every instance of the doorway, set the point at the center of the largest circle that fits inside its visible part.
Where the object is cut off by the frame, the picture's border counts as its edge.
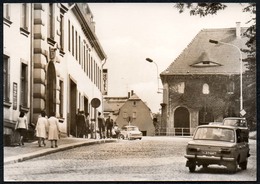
(73, 108)
(51, 89)
(182, 121)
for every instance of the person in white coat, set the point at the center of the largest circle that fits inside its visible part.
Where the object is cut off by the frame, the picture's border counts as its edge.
(53, 129)
(41, 128)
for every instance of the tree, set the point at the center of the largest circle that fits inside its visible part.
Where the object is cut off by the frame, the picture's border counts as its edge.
(204, 9)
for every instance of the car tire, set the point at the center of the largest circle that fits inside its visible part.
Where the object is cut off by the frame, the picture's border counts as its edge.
(243, 165)
(192, 167)
(121, 137)
(232, 167)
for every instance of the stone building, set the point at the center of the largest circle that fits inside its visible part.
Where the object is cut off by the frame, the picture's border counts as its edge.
(53, 61)
(202, 85)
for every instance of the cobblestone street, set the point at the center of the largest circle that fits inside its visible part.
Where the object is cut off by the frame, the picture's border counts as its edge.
(151, 159)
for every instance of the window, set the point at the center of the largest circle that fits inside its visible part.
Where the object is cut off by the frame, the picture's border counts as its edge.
(7, 11)
(24, 86)
(134, 115)
(72, 40)
(205, 89)
(24, 16)
(230, 88)
(79, 50)
(61, 97)
(69, 35)
(62, 30)
(179, 88)
(125, 115)
(51, 21)
(76, 42)
(134, 103)
(6, 79)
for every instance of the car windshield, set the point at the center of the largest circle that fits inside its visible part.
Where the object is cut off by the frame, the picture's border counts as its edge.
(132, 129)
(215, 134)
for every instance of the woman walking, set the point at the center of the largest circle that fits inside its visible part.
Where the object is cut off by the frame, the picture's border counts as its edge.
(21, 126)
(53, 129)
(41, 128)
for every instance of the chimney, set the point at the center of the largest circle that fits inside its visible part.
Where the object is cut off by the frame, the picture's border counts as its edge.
(238, 30)
(132, 92)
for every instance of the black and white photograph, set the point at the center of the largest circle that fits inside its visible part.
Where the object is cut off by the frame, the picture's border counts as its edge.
(129, 91)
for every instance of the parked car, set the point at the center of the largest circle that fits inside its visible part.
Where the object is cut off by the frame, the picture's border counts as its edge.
(238, 122)
(130, 132)
(235, 121)
(216, 144)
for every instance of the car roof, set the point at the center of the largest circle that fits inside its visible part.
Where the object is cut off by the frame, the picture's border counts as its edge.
(234, 118)
(129, 126)
(218, 126)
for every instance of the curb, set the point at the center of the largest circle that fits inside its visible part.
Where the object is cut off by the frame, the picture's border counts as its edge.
(27, 156)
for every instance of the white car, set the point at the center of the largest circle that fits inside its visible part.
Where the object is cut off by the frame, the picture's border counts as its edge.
(130, 132)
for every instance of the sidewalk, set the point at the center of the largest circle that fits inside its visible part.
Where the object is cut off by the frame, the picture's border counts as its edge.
(32, 150)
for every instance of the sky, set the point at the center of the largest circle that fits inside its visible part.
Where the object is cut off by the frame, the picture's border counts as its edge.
(131, 32)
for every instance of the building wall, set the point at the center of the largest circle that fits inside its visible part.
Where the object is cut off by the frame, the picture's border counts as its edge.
(58, 79)
(16, 48)
(202, 98)
(140, 116)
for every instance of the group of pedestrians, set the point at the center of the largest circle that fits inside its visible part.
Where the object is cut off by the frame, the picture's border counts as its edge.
(46, 128)
(107, 128)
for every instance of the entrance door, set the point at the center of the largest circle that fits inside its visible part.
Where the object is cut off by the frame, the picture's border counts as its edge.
(73, 108)
(51, 89)
(85, 105)
(182, 121)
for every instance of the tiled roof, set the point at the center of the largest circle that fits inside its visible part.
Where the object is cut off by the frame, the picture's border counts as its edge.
(203, 57)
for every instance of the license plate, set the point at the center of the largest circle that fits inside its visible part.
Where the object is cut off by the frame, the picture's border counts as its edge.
(209, 152)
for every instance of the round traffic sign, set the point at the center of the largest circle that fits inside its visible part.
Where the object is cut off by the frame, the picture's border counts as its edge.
(95, 102)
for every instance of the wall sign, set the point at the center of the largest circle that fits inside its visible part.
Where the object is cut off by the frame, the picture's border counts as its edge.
(14, 96)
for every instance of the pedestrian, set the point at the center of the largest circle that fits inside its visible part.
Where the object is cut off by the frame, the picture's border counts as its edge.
(109, 126)
(115, 130)
(53, 129)
(41, 128)
(21, 126)
(87, 124)
(81, 124)
(101, 126)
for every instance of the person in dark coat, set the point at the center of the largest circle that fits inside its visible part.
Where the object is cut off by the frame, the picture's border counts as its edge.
(101, 126)
(109, 125)
(81, 124)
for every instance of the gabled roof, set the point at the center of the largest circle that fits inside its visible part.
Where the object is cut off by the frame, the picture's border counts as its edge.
(134, 97)
(203, 57)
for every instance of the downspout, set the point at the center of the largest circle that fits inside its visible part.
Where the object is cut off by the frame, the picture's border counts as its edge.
(32, 64)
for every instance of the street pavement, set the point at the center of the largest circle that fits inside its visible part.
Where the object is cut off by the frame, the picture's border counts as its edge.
(13, 154)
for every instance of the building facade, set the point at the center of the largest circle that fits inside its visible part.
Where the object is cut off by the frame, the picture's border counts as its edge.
(53, 60)
(202, 85)
(130, 110)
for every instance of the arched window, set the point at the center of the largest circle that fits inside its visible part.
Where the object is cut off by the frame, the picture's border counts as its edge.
(205, 88)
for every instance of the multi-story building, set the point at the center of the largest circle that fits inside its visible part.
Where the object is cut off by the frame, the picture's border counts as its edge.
(53, 61)
(203, 84)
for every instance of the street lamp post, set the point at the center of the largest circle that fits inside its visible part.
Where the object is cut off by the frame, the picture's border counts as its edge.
(242, 112)
(151, 61)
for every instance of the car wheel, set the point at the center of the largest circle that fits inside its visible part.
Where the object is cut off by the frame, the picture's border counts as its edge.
(121, 136)
(243, 165)
(192, 167)
(232, 167)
